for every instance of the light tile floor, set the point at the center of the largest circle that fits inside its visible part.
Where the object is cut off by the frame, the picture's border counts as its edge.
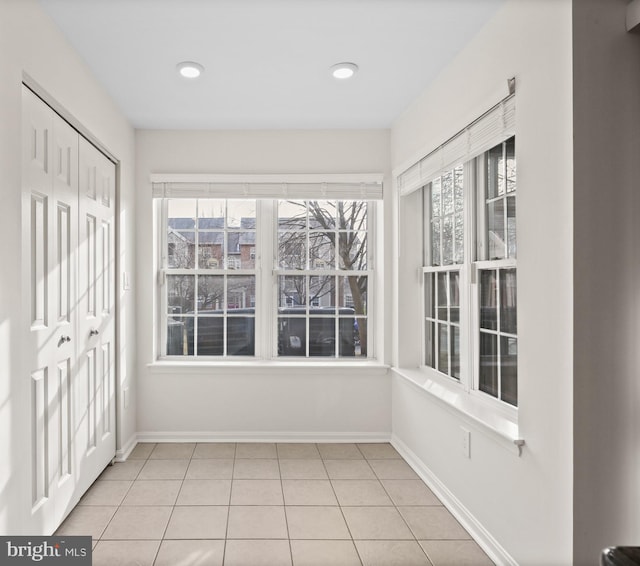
(252, 504)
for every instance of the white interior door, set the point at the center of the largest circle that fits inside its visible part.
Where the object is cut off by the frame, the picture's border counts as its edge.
(50, 193)
(69, 271)
(96, 308)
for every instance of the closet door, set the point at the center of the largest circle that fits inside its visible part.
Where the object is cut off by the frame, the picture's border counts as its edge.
(68, 194)
(50, 197)
(96, 307)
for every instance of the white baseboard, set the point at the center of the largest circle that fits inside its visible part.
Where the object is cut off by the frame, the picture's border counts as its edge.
(477, 531)
(123, 453)
(259, 436)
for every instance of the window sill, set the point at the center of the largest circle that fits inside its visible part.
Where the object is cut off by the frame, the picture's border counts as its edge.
(477, 411)
(262, 367)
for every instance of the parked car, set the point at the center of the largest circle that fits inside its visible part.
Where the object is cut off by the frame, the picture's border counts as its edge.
(292, 332)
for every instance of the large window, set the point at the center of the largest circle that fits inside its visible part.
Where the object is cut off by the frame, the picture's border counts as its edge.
(323, 312)
(210, 277)
(266, 278)
(469, 274)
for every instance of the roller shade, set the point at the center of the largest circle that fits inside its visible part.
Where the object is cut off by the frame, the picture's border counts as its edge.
(353, 186)
(492, 128)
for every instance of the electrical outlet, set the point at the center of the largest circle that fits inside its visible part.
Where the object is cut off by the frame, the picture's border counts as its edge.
(466, 442)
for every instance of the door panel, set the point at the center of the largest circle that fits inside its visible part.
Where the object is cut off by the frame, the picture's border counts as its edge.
(69, 329)
(97, 293)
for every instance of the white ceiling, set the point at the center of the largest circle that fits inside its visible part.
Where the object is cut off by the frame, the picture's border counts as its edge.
(267, 61)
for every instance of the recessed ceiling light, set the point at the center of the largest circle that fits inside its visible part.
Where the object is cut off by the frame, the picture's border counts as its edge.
(190, 70)
(343, 70)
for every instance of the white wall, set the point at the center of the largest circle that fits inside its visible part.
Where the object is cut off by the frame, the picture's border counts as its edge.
(31, 43)
(523, 504)
(244, 403)
(606, 278)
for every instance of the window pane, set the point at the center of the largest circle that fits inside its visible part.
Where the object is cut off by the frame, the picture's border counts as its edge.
(247, 249)
(429, 295)
(349, 330)
(495, 228)
(211, 213)
(435, 243)
(241, 292)
(322, 336)
(241, 213)
(455, 352)
(447, 193)
(210, 250)
(322, 215)
(508, 301)
(454, 296)
(240, 336)
(322, 292)
(488, 300)
(352, 250)
(292, 335)
(352, 215)
(360, 334)
(511, 164)
(435, 198)
(495, 172)
(210, 336)
(511, 226)
(292, 291)
(458, 188)
(180, 248)
(292, 215)
(447, 241)
(353, 292)
(443, 348)
(442, 296)
(181, 236)
(489, 363)
(177, 342)
(509, 369)
(210, 293)
(459, 239)
(180, 294)
(321, 250)
(292, 250)
(430, 344)
(182, 213)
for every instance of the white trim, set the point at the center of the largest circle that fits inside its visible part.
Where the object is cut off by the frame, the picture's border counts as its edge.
(480, 410)
(482, 536)
(263, 368)
(261, 436)
(123, 453)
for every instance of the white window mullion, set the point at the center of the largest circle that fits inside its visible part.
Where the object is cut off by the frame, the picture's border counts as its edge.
(162, 316)
(266, 309)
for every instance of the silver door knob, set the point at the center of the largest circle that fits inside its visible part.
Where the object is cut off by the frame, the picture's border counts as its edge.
(94, 332)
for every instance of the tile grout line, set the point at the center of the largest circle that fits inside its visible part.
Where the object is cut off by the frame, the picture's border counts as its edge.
(353, 542)
(284, 506)
(395, 506)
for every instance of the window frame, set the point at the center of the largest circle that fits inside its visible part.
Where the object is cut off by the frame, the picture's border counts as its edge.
(266, 280)
(164, 272)
(474, 214)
